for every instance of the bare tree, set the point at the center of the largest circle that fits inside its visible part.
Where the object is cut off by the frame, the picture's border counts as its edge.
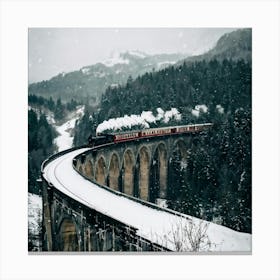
(187, 236)
(191, 237)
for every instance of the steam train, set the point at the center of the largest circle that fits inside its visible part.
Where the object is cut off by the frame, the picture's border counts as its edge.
(105, 138)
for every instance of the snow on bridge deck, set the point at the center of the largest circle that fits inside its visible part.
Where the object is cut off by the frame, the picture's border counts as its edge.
(158, 226)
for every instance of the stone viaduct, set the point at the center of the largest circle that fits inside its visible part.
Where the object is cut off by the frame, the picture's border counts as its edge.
(71, 226)
(137, 168)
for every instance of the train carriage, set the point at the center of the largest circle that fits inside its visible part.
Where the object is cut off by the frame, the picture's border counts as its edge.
(126, 136)
(152, 132)
(156, 131)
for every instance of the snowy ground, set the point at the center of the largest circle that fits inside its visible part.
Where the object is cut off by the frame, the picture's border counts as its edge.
(65, 139)
(34, 221)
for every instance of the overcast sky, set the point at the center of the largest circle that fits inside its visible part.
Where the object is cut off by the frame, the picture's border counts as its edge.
(56, 50)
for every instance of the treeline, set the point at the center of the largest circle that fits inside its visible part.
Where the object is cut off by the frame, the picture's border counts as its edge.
(86, 126)
(41, 134)
(40, 146)
(73, 85)
(215, 183)
(57, 107)
(213, 83)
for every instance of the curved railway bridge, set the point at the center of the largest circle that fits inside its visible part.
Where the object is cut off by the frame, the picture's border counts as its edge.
(111, 198)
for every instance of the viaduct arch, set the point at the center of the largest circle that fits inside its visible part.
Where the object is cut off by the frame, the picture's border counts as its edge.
(100, 176)
(127, 172)
(114, 172)
(143, 169)
(143, 162)
(159, 170)
(68, 237)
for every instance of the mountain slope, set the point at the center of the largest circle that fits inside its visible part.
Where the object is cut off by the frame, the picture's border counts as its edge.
(90, 82)
(235, 45)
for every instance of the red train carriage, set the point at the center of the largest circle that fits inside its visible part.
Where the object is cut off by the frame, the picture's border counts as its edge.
(192, 128)
(153, 132)
(156, 131)
(126, 136)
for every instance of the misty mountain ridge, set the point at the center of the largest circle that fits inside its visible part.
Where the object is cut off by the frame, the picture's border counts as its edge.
(89, 82)
(235, 45)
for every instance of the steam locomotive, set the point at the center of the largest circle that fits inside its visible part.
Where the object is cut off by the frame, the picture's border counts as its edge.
(105, 138)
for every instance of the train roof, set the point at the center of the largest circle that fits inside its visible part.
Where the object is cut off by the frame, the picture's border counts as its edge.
(147, 129)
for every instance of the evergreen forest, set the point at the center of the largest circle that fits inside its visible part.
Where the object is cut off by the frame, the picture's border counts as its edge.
(40, 146)
(215, 184)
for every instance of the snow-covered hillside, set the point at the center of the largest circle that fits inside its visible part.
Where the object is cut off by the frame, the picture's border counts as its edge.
(91, 81)
(34, 222)
(117, 58)
(65, 139)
